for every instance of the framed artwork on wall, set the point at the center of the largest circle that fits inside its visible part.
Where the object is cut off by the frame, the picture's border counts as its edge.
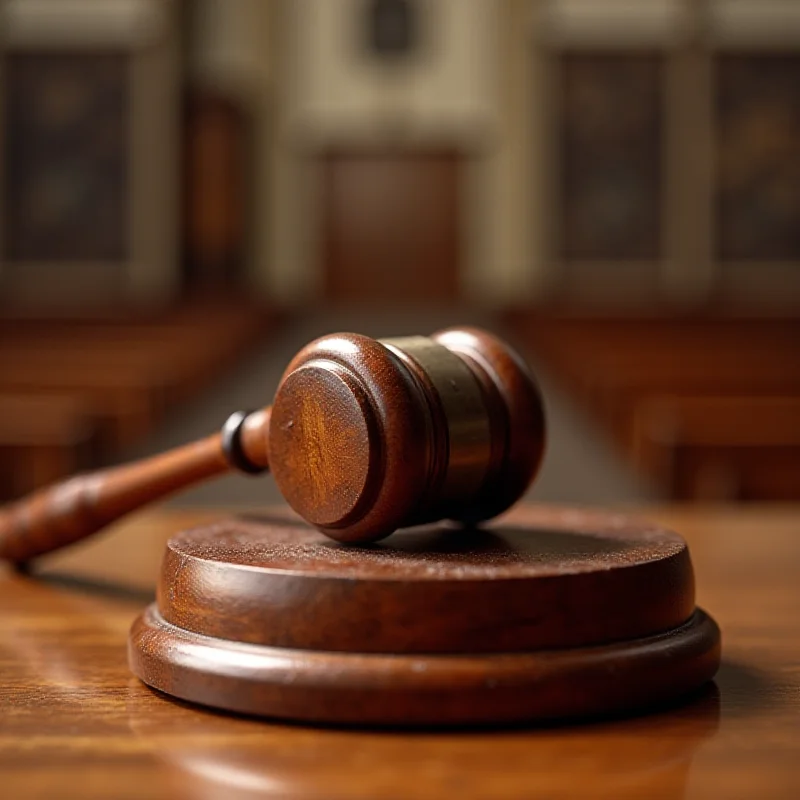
(602, 150)
(610, 167)
(672, 152)
(606, 177)
(392, 27)
(755, 181)
(66, 179)
(89, 165)
(757, 132)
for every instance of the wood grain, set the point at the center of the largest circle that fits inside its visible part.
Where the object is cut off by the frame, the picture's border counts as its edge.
(390, 226)
(549, 613)
(418, 690)
(64, 513)
(75, 723)
(367, 435)
(540, 578)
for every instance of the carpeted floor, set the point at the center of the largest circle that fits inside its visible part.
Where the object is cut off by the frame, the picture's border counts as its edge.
(580, 466)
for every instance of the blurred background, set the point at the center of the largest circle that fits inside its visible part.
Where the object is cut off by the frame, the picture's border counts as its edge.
(192, 189)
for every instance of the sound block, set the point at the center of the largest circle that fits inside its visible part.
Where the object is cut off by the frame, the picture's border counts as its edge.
(548, 613)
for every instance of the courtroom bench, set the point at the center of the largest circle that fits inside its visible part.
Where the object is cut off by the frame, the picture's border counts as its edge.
(621, 371)
(43, 438)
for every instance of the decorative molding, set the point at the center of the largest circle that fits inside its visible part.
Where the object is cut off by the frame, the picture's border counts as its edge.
(447, 92)
(755, 24)
(83, 23)
(611, 23)
(228, 46)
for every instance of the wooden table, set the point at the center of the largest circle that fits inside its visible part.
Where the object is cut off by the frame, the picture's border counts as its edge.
(75, 723)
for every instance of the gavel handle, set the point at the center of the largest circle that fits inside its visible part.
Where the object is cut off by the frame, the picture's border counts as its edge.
(67, 512)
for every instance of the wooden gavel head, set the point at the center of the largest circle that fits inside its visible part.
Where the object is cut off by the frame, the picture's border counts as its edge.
(364, 437)
(367, 436)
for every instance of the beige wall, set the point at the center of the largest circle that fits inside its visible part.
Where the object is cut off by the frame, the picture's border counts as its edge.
(339, 92)
(315, 89)
(334, 94)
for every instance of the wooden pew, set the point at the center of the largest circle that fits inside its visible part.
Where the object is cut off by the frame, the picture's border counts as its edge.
(186, 352)
(126, 400)
(719, 374)
(657, 356)
(117, 376)
(133, 369)
(43, 437)
(720, 448)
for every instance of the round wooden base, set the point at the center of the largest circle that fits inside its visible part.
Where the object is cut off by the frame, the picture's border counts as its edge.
(381, 689)
(549, 613)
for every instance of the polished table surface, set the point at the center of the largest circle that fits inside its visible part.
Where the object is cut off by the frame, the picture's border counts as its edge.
(75, 723)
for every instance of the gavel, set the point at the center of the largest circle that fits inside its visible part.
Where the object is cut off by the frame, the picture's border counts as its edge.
(364, 436)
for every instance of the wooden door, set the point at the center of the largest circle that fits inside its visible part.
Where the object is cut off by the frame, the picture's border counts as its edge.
(215, 190)
(391, 226)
